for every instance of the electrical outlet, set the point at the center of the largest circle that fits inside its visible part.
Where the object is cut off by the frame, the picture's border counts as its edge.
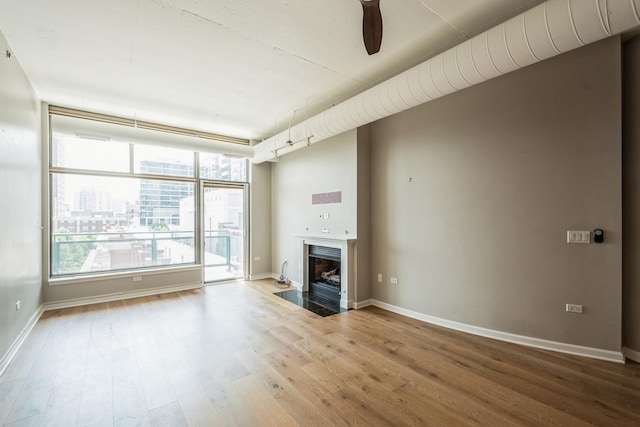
(379, 278)
(137, 278)
(18, 305)
(257, 259)
(574, 308)
(394, 280)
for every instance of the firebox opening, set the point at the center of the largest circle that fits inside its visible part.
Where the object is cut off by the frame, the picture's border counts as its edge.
(324, 272)
(324, 278)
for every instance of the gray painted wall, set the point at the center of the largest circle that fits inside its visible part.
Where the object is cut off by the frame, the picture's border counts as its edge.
(472, 195)
(121, 283)
(325, 167)
(631, 187)
(260, 219)
(363, 245)
(20, 207)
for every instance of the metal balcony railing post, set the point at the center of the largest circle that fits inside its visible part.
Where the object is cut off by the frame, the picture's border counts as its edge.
(154, 250)
(55, 256)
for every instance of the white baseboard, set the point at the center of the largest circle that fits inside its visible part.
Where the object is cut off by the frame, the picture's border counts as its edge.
(293, 283)
(77, 302)
(262, 276)
(346, 303)
(297, 285)
(19, 341)
(362, 304)
(594, 353)
(631, 354)
(276, 277)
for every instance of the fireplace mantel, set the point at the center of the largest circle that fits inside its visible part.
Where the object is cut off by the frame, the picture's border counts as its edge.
(346, 244)
(325, 237)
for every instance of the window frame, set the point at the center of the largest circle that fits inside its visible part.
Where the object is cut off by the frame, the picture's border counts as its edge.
(194, 180)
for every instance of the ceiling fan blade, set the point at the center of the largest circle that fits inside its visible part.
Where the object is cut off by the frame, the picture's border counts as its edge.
(372, 25)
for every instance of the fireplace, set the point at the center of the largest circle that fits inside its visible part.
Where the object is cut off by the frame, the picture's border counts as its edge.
(324, 268)
(336, 249)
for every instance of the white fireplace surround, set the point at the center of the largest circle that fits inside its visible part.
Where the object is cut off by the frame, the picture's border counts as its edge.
(347, 263)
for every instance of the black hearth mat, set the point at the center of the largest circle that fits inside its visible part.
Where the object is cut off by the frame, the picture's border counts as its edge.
(312, 302)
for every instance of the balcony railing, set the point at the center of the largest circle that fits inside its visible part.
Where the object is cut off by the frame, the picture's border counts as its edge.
(77, 253)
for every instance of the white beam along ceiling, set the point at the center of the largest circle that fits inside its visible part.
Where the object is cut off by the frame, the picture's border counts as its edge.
(549, 29)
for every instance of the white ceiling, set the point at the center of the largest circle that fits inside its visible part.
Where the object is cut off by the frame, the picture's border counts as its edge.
(235, 67)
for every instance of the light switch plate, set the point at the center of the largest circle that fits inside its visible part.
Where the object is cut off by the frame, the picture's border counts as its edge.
(578, 236)
(574, 308)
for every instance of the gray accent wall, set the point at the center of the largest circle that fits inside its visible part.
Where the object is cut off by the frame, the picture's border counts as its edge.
(325, 167)
(472, 195)
(631, 186)
(20, 202)
(363, 246)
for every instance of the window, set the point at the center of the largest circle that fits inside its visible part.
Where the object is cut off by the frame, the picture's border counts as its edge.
(104, 223)
(89, 152)
(118, 203)
(223, 168)
(150, 160)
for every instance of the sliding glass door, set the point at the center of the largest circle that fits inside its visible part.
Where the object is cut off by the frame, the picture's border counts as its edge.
(224, 234)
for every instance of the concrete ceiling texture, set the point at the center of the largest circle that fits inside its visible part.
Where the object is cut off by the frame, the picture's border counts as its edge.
(242, 68)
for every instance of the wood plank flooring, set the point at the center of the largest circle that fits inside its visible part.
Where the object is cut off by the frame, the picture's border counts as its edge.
(235, 355)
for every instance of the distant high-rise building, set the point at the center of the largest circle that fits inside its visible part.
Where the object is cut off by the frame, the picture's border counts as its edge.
(59, 202)
(88, 199)
(222, 168)
(160, 200)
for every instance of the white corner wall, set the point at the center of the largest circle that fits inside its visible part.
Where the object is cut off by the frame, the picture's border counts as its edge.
(20, 205)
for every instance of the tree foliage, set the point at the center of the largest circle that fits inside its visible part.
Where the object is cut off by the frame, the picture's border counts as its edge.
(71, 251)
(159, 227)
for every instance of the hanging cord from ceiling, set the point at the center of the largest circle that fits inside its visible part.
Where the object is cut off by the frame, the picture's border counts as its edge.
(290, 142)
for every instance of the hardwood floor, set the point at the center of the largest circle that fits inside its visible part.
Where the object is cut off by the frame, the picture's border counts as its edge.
(234, 354)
